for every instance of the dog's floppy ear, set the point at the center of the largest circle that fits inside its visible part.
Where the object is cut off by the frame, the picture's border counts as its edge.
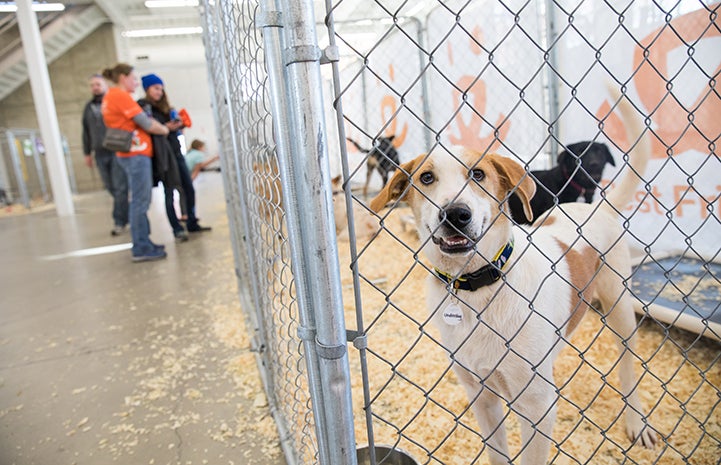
(609, 157)
(572, 153)
(397, 186)
(562, 157)
(514, 176)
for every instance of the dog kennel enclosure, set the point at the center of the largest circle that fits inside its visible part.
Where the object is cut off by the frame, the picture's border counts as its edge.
(343, 340)
(23, 168)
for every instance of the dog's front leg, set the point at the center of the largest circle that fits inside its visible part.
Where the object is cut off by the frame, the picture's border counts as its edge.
(488, 410)
(536, 409)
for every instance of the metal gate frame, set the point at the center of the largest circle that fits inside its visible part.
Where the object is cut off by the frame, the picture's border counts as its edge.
(20, 183)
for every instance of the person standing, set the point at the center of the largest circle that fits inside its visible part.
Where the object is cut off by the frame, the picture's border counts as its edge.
(113, 176)
(120, 111)
(157, 100)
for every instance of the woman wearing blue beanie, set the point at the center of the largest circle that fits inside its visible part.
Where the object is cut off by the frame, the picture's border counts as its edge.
(151, 80)
(156, 104)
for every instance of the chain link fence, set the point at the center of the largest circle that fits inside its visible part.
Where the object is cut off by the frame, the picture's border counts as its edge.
(314, 102)
(23, 168)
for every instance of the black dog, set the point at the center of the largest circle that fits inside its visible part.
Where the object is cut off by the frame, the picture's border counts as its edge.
(383, 157)
(578, 173)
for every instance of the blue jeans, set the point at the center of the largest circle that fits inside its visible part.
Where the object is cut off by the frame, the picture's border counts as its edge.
(116, 182)
(140, 179)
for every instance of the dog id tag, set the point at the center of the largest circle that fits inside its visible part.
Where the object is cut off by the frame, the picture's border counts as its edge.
(452, 314)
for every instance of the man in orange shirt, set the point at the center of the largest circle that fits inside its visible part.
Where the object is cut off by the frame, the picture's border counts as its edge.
(120, 111)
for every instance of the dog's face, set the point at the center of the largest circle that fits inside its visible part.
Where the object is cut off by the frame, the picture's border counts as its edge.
(385, 144)
(457, 198)
(592, 156)
(386, 147)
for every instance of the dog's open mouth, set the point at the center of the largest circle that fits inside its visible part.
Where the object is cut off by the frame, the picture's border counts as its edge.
(453, 244)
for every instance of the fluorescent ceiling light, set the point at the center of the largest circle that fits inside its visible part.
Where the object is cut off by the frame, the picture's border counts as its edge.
(11, 7)
(168, 31)
(170, 3)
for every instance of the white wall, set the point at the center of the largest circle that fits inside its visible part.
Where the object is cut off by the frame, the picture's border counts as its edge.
(180, 63)
(680, 217)
(474, 94)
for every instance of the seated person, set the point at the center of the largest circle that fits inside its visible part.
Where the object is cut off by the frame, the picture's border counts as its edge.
(196, 158)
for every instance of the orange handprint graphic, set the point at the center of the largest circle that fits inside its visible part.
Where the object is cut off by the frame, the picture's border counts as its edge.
(470, 134)
(678, 127)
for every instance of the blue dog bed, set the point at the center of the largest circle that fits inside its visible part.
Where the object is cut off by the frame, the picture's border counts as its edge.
(681, 291)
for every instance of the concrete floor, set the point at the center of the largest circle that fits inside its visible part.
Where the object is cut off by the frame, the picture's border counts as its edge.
(107, 361)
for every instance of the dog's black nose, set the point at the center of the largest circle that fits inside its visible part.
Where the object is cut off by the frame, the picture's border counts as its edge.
(456, 215)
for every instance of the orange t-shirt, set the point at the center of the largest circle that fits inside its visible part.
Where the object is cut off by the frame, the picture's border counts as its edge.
(118, 109)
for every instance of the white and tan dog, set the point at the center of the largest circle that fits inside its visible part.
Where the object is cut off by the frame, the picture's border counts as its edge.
(506, 305)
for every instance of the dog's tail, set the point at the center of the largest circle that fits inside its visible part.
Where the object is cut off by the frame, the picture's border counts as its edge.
(357, 145)
(640, 153)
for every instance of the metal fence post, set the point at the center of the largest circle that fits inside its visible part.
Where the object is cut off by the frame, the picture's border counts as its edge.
(338, 106)
(319, 261)
(552, 82)
(17, 167)
(271, 21)
(69, 166)
(34, 138)
(5, 184)
(423, 64)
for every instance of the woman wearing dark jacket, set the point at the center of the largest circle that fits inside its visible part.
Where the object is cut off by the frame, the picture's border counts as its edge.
(173, 165)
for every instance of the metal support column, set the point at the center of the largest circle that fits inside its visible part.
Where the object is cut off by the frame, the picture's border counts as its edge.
(45, 107)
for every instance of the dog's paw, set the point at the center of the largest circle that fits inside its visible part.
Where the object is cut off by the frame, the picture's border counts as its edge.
(641, 433)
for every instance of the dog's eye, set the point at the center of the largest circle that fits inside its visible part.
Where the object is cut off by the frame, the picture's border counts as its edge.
(477, 174)
(427, 178)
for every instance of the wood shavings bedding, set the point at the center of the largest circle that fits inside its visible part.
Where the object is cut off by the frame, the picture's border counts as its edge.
(417, 401)
(16, 209)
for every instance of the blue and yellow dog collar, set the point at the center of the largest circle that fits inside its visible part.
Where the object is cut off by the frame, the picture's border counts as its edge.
(484, 276)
